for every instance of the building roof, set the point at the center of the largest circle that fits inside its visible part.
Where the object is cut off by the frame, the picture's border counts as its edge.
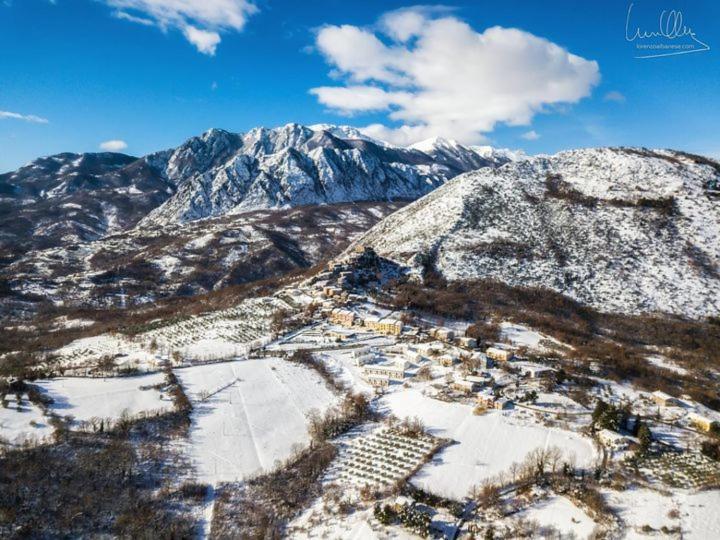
(662, 395)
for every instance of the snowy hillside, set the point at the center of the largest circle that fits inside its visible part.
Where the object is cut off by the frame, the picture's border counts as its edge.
(183, 259)
(623, 230)
(68, 198)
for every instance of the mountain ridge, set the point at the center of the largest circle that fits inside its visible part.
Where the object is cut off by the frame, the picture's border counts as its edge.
(73, 197)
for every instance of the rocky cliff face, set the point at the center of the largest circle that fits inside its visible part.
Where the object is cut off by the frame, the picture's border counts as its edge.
(622, 230)
(295, 165)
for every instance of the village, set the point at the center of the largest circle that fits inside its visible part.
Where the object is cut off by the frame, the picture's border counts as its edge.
(463, 437)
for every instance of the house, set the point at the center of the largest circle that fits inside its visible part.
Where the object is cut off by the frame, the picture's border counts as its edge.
(343, 317)
(467, 342)
(392, 371)
(703, 423)
(482, 360)
(443, 334)
(415, 357)
(471, 383)
(499, 355)
(388, 326)
(478, 381)
(664, 400)
(463, 386)
(538, 372)
(378, 381)
(491, 402)
(613, 440)
(504, 404)
(446, 360)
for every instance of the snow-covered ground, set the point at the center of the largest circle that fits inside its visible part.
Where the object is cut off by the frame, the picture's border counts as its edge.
(87, 398)
(522, 336)
(663, 362)
(488, 444)
(15, 422)
(85, 353)
(248, 415)
(697, 513)
(560, 513)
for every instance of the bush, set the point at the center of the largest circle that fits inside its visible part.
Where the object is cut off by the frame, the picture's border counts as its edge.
(710, 449)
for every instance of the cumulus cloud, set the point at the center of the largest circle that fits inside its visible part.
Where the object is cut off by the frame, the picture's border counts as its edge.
(615, 96)
(436, 76)
(531, 135)
(114, 145)
(205, 41)
(200, 21)
(7, 115)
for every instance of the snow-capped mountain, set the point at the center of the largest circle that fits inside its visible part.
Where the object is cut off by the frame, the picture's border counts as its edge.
(457, 157)
(622, 230)
(68, 198)
(294, 165)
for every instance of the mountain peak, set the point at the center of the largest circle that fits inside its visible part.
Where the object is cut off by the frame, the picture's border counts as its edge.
(436, 143)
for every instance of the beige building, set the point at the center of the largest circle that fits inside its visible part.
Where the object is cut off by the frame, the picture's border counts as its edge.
(499, 355)
(446, 360)
(343, 317)
(467, 342)
(491, 402)
(388, 326)
(443, 334)
(469, 384)
(703, 423)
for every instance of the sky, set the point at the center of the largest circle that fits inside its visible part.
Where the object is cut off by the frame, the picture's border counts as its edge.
(142, 75)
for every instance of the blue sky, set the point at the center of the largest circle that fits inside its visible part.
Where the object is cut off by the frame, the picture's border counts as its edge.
(95, 76)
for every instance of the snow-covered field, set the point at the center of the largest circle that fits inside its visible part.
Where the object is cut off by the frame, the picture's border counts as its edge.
(488, 444)
(249, 414)
(560, 513)
(15, 422)
(522, 336)
(87, 398)
(85, 353)
(697, 513)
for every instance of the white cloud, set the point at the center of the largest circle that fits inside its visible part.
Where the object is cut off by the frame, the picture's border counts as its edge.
(205, 41)
(115, 145)
(531, 135)
(436, 76)
(362, 98)
(615, 96)
(200, 21)
(7, 115)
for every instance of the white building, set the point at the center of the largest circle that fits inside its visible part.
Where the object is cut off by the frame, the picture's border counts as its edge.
(392, 371)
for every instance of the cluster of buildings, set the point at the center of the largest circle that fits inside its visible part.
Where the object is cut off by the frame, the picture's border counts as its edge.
(695, 420)
(348, 318)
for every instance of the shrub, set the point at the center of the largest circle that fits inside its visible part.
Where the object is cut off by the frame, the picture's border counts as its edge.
(710, 449)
